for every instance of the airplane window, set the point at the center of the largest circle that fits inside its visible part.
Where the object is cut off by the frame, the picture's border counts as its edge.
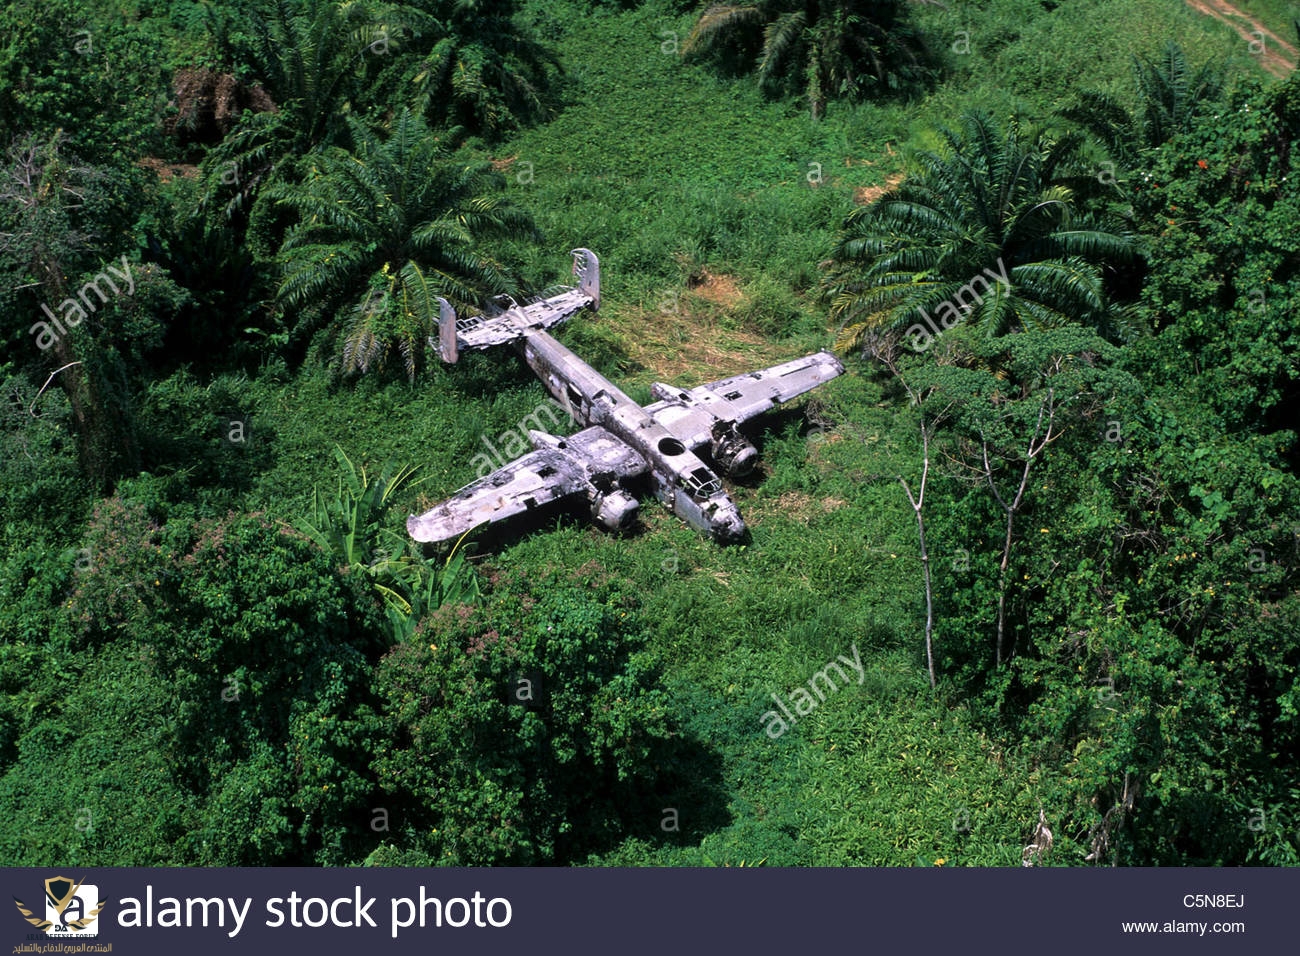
(702, 483)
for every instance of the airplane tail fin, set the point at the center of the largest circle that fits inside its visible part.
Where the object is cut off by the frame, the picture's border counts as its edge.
(447, 331)
(587, 268)
(511, 321)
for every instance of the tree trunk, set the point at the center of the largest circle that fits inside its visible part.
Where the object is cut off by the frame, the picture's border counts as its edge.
(39, 183)
(917, 502)
(1002, 586)
(929, 599)
(107, 448)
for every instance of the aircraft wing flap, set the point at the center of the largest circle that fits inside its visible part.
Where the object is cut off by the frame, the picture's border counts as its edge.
(559, 468)
(690, 414)
(602, 454)
(526, 483)
(753, 393)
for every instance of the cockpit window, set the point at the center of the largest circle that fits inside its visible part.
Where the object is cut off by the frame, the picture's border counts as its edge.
(701, 483)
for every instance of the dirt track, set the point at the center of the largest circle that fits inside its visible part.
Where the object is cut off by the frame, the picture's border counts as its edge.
(1278, 56)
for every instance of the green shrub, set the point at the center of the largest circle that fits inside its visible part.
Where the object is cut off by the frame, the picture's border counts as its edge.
(524, 732)
(263, 651)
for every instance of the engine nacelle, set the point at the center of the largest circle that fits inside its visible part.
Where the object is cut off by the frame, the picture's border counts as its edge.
(615, 510)
(732, 452)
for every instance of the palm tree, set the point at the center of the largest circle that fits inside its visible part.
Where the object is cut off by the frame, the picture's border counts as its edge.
(828, 48)
(476, 67)
(985, 232)
(314, 60)
(384, 231)
(1169, 94)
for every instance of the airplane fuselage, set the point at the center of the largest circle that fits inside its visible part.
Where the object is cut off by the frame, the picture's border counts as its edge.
(679, 477)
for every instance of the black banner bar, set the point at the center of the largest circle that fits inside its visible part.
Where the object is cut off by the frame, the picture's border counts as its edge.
(650, 911)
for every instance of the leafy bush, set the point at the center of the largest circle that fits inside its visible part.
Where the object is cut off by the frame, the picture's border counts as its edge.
(351, 526)
(527, 731)
(98, 77)
(39, 481)
(265, 648)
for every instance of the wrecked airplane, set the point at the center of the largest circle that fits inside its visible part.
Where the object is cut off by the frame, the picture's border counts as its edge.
(621, 441)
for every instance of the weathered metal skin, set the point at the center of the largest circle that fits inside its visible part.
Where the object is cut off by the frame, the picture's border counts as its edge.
(620, 440)
(680, 479)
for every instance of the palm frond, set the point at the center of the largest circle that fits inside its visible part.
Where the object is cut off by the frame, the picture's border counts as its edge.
(925, 253)
(1094, 245)
(717, 23)
(782, 38)
(1071, 286)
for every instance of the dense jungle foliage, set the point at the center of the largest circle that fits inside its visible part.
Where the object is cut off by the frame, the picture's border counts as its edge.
(1057, 522)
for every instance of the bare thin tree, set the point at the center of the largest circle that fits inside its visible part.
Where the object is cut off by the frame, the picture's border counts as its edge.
(885, 350)
(1044, 434)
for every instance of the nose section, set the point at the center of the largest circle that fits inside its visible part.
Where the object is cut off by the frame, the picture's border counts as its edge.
(727, 524)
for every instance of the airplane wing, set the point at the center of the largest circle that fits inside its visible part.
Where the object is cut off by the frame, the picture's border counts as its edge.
(691, 414)
(588, 463)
